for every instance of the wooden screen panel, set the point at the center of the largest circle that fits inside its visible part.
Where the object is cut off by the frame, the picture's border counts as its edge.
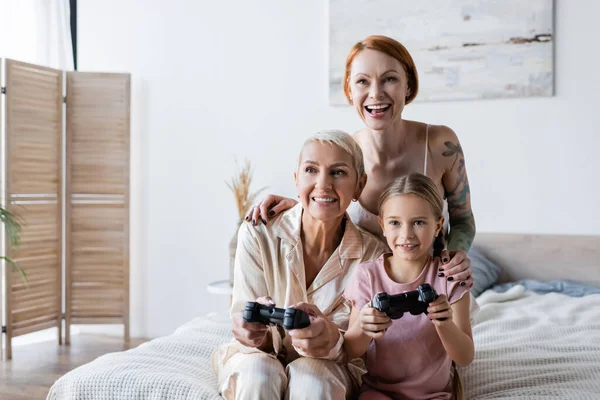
(97, 217)
(33, 188)
(97, 274)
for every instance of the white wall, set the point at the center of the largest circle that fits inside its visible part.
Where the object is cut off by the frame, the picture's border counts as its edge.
(248, 78)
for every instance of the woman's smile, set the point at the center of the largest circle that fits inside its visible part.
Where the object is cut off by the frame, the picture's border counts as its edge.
(324, 200)
(378, 110)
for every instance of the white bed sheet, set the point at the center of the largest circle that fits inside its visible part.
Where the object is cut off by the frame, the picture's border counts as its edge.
(174, 367)
(530, 346)
(527, 347)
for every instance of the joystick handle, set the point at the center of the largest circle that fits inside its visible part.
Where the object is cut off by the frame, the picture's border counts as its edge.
(289, 318)
(295, 319)
(428, 295)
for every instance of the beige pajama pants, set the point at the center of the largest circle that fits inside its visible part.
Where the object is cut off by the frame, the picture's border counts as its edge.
(260, 376)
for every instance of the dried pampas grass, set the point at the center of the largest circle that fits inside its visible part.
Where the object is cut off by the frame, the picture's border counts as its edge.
(240, 186)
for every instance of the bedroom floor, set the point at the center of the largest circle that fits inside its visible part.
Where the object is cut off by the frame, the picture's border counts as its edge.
(35, 367)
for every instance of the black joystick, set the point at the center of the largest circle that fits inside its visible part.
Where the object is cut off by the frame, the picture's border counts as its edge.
(290, 318)
(414, 302)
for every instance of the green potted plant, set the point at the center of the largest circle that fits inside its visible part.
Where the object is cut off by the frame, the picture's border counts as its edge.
(13, 230)
(240, 186)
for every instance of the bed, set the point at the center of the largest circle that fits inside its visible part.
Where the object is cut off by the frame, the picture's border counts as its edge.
(528, 345)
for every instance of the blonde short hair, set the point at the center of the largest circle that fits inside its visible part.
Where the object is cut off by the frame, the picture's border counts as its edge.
(417, 184)
(342, 140)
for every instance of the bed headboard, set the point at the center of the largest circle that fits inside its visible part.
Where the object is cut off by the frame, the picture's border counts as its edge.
(543, 257)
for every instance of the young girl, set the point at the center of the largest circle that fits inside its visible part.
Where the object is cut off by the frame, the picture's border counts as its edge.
(411, 357)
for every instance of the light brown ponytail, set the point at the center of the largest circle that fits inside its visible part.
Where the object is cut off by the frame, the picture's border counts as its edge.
(457, 388)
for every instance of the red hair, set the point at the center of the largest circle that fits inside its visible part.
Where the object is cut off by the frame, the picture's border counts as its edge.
(392, 48)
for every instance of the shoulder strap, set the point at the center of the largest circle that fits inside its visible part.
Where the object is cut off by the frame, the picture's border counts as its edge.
(426, 149)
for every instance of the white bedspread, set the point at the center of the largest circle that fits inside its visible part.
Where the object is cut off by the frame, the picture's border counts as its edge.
(527, 346)
(531, 346)
(175, 367)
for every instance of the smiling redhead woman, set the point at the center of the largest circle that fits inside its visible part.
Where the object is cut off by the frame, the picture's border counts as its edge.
(380, 79)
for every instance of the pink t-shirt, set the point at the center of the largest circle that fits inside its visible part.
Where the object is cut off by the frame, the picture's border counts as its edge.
(409, 361)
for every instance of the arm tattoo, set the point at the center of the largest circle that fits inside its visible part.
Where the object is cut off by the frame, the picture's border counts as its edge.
(462, 233)
(462, 222)
(454, 150)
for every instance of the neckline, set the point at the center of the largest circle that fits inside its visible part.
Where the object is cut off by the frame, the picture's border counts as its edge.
(424, 168)
(411, 283)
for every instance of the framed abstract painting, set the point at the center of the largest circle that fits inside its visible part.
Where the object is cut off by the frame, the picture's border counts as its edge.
(463, 49)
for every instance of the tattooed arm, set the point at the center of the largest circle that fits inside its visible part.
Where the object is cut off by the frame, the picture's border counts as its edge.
(456, 187)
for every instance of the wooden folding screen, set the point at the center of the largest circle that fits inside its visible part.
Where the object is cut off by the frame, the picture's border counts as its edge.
(97, 192)
(97, 199)
(33, 193)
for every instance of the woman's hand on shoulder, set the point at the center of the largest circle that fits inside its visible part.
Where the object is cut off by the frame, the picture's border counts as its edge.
(253, 334)
(456, 266)
(373, 322)
(268, 208)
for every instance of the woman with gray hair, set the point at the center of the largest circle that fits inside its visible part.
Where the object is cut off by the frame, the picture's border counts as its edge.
(303, 258)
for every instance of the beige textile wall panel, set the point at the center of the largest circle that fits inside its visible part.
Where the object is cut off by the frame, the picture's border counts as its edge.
(97, 191)
(33, 189)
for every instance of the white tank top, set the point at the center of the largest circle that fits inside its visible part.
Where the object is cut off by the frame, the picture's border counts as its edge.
(368, 221)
